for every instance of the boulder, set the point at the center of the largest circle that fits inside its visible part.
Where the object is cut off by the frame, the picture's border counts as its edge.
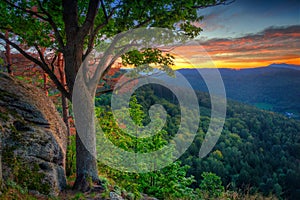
(33, 137)
(115, 196)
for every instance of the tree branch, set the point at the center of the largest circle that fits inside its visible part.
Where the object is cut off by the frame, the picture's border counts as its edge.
(104, 91)
(95, 32)
(90, 18)
(120, 86)
(40, 54)
(39, 63)
(70, 18)
(144, 23)
(52, 62)
(47, 19)
(104, 11)
(53, 25)
(28, 10)
(217, 3)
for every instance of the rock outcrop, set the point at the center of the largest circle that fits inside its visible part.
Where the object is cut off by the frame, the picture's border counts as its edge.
(33, 138)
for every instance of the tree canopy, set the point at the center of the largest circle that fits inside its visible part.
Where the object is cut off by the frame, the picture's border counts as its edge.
(40, 29)
(74, 27)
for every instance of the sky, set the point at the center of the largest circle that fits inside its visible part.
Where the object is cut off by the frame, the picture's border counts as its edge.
(245, 34)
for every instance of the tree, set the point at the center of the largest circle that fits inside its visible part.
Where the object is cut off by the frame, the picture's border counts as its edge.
(211, 186)
(73, 27)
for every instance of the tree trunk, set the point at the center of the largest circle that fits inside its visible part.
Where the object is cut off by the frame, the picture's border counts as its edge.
(65, 112)
(8, 55)
(86, 163)
(45, 77)
(73, 60)
(64, 100)
(1, 182)
(86, 168)
(64, 104)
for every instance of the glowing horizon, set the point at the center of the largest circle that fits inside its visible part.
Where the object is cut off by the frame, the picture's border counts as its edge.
(273, 45)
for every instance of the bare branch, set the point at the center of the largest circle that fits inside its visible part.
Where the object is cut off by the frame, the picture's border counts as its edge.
(168, 49)
(38, 15)
(108, 59)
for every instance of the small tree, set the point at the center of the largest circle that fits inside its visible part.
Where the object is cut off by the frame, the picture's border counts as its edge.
(211, 186)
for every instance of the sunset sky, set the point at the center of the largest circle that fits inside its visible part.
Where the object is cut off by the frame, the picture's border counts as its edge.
(245, 34)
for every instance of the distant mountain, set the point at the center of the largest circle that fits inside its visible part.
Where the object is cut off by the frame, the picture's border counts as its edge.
(275, 88)
(286, 66)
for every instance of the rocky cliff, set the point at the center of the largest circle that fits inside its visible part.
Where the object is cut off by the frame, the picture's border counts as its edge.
(33, 138)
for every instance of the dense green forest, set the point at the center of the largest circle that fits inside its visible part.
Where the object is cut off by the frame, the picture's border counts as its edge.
(258, 151)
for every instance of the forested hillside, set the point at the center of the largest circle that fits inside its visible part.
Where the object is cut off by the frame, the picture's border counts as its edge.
(258, 151)
(275, 88)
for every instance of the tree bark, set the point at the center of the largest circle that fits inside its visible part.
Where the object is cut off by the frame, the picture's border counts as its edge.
(45, 77)
(73, 60)
(8, 55)
(64, 100)
(64, 103)
(86, 168)
(86, 163)
(1, 181)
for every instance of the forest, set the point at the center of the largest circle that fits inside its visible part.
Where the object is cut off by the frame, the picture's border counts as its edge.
(258, 151)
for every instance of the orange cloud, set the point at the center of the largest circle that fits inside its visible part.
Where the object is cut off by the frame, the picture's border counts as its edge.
(273, 45)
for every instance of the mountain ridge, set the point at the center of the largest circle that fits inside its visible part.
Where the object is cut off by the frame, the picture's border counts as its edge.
(275, 88)
(273, 65)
